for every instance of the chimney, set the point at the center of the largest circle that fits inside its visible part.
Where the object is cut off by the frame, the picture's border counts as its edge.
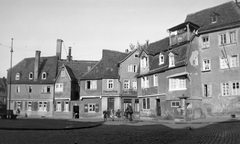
(147, 43)
(126, 51)
(36, 65)
(59, 48)
(69, 57)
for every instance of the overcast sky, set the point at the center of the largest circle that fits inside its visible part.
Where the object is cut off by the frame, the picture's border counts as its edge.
(88, 26)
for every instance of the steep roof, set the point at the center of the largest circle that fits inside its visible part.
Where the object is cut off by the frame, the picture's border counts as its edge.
(106, 67)
(76, 68)
(228, 15)
(24, 67)
(158, 46)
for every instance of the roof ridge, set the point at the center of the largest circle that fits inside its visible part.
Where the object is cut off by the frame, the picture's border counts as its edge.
(114, 51)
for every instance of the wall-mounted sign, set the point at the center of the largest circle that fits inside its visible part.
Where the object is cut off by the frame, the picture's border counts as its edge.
(110, 91)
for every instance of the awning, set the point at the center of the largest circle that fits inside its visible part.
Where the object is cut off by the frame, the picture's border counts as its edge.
(178, 74)
(82, 97)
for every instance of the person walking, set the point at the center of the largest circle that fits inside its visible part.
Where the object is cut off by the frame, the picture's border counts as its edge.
(129, 111)
(105, 115)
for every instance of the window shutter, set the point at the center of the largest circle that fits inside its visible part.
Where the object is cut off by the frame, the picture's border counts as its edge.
(97, 108)
(148, 103)
(69, 105)
(62, 105)
(48, 106)
(86, 108)
(26, 105)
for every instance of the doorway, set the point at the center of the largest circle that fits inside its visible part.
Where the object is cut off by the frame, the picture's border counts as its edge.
(75, 112)
(158, 107)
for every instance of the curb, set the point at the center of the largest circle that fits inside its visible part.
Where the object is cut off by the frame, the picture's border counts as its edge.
(72, 128)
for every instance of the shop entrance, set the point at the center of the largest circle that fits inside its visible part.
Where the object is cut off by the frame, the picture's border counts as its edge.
(75, 112)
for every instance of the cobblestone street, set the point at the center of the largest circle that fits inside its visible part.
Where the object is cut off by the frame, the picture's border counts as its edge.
(225, 133)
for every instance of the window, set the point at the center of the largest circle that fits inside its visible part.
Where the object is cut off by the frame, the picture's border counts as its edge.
(225, 89)
(229, 62)
(144, 82)
(214, 19)
(206, 65)
(207, 90)
(31, 75)
(223, 38)
(132, 68)
(29, 106)
(134, 84)
(66, 106)
(42, 106)
(126, 84)
(171, 60)
(30, 89)
(62, 73)
(146, 103)
(18, 89)
(144, 62)
(205, 42)
(110, 84)
(46, 89)
(92, 84)
(175, 103)
(232, 37)
(155, 80)
(136, 105)
(17, 77)
(91, 107)
(44, 75)
(59, 87)
(235, 88)
(59, 106)
(161, 59)
(177, 83)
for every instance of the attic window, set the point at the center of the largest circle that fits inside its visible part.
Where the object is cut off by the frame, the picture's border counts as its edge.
(161, 59)
(44, 75)
(171, 60)
(31, 75)
(214, 17)
(17, 77)
(63, 73)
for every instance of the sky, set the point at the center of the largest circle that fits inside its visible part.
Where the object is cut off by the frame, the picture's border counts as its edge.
(88, 26)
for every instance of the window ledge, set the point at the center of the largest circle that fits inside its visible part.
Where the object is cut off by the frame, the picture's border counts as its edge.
(177, 89)
(227, 44)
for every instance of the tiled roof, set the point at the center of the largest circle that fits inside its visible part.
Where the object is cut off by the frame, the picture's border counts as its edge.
(76, 69)
(158, 46)
(228, 15)
(24, 67)
(107, 68)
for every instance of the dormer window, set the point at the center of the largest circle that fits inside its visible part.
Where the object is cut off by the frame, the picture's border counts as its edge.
(62, 73)
(31, 75)
(17, 77)
(44, 75)
(161, 59)
(171, 60)
(214, 17)
(144, 62)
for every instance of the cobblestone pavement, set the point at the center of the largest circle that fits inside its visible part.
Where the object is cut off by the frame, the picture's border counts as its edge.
(220, 133)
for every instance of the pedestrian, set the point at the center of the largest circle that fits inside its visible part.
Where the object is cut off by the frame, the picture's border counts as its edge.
(18, 112)
(129, 111)
(105, 115)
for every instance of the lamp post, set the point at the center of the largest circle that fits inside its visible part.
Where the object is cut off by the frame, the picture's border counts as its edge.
(10, 78)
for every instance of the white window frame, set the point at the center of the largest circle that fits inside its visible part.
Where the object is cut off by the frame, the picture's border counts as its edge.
(58, 106)
(17, 77)
(126, 84)
(129, 68)
(31, 75)
(18, 105)
(42, 106)
(29, 106)
(175, 103)
(171, 60)
(144, 62)
(204, 65)
(110, 83)
(92, 83)
(223, 62)
(232, 38)
(66, 106)
(46, 89)
(17, 89)
(161, 59)
(134, 84)
(205, 42)
(145, 82)
(44, 75)
(155, 80)
(177, 84)
(222, 38)
(225, 88)
(208, 90)
(235, 88)
(232, 61)
(59, 87)
(91, 108)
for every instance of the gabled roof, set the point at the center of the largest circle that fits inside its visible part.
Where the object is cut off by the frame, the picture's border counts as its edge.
(129, 54)
(107, 66)
(228, 15)
(24, 67)
(76, 69)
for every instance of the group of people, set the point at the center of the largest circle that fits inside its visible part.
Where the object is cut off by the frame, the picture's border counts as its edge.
(127, 114)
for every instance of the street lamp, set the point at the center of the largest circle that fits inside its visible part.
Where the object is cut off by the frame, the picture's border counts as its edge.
(10, 78)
